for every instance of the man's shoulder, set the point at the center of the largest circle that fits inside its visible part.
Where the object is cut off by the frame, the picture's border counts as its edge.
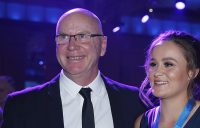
(36, 90)
(30, 90)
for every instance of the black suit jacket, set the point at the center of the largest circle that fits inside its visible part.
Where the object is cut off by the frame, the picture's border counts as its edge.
(41, 107)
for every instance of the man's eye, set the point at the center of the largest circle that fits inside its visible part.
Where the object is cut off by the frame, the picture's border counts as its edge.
(82, 36)
(61, 36)
(64, 36)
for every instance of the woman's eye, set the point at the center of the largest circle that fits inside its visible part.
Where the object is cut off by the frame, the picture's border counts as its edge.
(167, 64)
(152, 64)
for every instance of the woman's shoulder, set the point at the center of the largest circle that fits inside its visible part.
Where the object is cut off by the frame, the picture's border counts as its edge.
(151, 112)
(148, 117)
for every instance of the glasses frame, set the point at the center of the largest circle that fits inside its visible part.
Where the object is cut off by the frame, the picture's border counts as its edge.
(77, 37)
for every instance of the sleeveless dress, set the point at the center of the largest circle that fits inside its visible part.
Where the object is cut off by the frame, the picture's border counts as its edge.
(149, 118)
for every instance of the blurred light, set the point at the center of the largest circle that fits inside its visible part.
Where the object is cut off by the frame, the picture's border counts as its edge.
(2, 9)
(41, 62)
(145, 18)
(35, 13)
(150, 10)
(116, 29)
(53, 14)
(15, 11)
(29, 83)
(180, 5)
(154, 27)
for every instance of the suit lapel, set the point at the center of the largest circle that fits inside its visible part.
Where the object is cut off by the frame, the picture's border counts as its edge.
(55, 105)
(115, 103)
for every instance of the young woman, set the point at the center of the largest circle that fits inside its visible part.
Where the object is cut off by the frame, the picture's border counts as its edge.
(172, 67)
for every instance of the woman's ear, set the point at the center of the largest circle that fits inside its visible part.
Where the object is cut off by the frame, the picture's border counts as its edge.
(196, 72)
(193, 73)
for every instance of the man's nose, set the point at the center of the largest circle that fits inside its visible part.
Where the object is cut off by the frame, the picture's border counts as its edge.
(72, 37)
(72, 42)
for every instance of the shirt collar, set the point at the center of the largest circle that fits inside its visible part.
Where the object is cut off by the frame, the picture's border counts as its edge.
(68, 85)
(96, 85)
(73, 89)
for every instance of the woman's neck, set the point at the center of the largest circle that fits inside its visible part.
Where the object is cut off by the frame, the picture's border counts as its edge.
(171, 108)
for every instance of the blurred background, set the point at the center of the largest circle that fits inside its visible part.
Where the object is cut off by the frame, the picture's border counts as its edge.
(27, 31)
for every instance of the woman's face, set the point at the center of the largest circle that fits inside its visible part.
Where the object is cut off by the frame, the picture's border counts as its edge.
(167, 71)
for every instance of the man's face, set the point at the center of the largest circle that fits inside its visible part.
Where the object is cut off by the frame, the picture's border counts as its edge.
(77, 58)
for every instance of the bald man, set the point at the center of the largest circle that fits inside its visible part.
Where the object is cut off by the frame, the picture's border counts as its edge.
(80, 43)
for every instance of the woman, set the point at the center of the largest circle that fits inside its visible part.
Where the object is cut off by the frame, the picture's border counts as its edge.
(172, 67)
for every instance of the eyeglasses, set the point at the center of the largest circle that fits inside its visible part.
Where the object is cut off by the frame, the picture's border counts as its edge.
(65, 39)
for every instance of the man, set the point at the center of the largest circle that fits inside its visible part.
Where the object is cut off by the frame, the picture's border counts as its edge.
(58, 103)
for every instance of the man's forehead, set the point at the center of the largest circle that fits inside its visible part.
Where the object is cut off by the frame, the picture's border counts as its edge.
(77, 16)
(77, 20)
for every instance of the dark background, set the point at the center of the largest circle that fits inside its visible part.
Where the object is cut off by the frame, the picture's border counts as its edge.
(27, 46)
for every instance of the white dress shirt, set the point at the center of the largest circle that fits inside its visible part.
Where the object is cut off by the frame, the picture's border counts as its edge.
(72, 103)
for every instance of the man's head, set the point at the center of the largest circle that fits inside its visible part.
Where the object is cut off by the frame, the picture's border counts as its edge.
(80, 43)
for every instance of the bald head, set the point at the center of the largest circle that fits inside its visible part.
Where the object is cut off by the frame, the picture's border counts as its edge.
(84, 43)
(80, 15)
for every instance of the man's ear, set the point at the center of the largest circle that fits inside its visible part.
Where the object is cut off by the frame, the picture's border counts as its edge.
(103, 45)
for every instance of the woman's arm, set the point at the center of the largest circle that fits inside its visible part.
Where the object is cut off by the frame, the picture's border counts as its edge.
(137, 121)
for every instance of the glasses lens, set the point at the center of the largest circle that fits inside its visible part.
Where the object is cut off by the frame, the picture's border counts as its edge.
(62, 39)
(82, 37)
